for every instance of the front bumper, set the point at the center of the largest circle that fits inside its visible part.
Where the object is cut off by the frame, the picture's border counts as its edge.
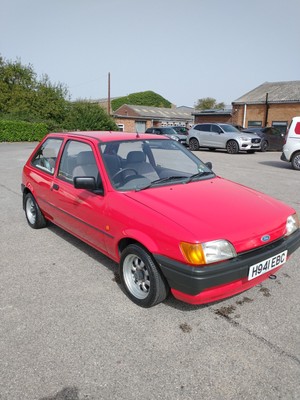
(250, 146)
(200, 285)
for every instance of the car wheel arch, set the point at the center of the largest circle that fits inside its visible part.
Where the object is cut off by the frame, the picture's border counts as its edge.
(295, 155)
(26, 190)
(139, 238)
(237, 144)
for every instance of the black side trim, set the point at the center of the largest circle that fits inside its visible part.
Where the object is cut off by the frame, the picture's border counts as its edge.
(193, 280)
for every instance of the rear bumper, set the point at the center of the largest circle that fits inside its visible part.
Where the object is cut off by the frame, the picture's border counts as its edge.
(283, 157)
(199, 285)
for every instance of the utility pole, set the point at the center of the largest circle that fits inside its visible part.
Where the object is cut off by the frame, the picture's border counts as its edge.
(108, 95)
(267, 109)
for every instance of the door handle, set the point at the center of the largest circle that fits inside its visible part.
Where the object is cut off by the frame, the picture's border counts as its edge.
(55, 186)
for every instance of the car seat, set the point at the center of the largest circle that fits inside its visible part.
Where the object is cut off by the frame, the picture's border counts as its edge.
(137, 161)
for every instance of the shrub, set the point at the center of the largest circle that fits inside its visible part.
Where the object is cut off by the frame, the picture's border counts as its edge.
(20, 131)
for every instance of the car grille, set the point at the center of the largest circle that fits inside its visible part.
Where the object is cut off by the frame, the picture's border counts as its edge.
(256, 140)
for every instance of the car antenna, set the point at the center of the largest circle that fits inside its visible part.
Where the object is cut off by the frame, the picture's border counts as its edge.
(137, 135)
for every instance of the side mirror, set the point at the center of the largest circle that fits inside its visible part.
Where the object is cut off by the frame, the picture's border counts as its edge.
(209, 165)
(84, 182)
(87, 183)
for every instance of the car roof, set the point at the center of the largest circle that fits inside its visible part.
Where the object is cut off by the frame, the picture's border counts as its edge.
(104, 136)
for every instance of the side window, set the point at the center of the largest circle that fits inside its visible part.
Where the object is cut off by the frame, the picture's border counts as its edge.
(197, 127)
(203, 127)
(46, 156)
(77, 160)
(216, 128)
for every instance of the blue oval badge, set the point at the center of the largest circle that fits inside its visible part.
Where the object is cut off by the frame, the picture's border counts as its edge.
(265, 238)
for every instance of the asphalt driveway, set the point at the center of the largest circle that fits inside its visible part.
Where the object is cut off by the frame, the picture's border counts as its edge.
(68, 332)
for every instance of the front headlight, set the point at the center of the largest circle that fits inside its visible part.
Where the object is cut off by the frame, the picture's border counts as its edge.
(245, 139)
(292, 224)
(208, 252)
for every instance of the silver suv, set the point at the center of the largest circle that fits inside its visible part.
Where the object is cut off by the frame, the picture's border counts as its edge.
(222, 136)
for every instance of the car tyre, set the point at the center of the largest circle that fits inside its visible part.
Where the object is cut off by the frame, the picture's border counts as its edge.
(232, 147)
(33, 213)
(296, 161)
(194, 144)
(141, 278)
(264, 146)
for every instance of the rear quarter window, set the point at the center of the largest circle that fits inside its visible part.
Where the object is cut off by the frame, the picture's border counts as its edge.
(46, 156)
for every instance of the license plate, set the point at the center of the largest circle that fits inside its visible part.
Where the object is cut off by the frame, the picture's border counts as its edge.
(267, 265)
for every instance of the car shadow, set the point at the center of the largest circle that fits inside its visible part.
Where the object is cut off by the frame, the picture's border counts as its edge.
(85, 248)
(112, 266)
(276, 164)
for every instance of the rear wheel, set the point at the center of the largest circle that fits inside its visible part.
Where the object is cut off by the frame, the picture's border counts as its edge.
(194, 144)
(232, 147)
(296, 161)
(33, 213)
(141, 278)
(264, 145)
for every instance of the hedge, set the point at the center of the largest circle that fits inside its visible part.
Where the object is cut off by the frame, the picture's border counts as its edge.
(21, 131)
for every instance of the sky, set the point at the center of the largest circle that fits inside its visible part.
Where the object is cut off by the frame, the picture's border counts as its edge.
(184, 50)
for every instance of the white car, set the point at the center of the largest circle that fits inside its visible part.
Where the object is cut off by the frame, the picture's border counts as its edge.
(291, 148)
(222, 136)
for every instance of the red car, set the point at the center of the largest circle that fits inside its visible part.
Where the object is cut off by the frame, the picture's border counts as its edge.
(152, 206)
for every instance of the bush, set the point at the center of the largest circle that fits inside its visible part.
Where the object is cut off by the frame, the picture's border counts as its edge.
(20, 131)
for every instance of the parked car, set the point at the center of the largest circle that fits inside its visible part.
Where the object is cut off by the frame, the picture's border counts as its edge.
(291, 148)
(182, 130)
(168, 131)
(158, 211)
(222, 136)
(271, 138)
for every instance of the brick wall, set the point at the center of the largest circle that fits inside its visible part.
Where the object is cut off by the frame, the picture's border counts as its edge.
(225, 119)
(257, 112)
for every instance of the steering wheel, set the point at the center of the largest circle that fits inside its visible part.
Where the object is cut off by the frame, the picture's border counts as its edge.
(123, 171)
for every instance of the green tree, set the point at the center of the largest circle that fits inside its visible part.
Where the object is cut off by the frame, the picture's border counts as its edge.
(147, 98)
(25, 97)
(86, 116)
(208, 103)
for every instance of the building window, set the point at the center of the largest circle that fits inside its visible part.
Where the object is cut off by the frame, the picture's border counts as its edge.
(280, 125)
(254, 124)
(121, 127)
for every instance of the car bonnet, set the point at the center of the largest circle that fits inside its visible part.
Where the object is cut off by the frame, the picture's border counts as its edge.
(218, 209)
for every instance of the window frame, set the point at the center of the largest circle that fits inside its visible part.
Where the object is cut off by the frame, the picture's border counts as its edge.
(42, 147)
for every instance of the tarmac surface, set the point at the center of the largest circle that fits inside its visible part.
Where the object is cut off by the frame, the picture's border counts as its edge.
(68, 332)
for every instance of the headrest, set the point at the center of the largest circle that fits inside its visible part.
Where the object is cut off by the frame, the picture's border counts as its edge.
(85, 157)
(136, 157)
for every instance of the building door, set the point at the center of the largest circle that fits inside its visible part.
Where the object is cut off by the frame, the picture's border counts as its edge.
(140, 126)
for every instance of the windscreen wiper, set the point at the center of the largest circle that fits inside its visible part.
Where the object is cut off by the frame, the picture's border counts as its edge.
(162, 180)
(199, 175)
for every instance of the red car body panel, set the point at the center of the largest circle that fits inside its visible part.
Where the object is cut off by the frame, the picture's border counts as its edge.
(160, 218)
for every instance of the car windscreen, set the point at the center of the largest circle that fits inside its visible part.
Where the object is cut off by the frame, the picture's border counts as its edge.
(136, 164)
(229, 128)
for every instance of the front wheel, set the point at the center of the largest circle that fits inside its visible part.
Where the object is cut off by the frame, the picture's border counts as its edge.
(33, 213)
(141, 278)
(296, 161)
(232, 147)
(194, 144)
